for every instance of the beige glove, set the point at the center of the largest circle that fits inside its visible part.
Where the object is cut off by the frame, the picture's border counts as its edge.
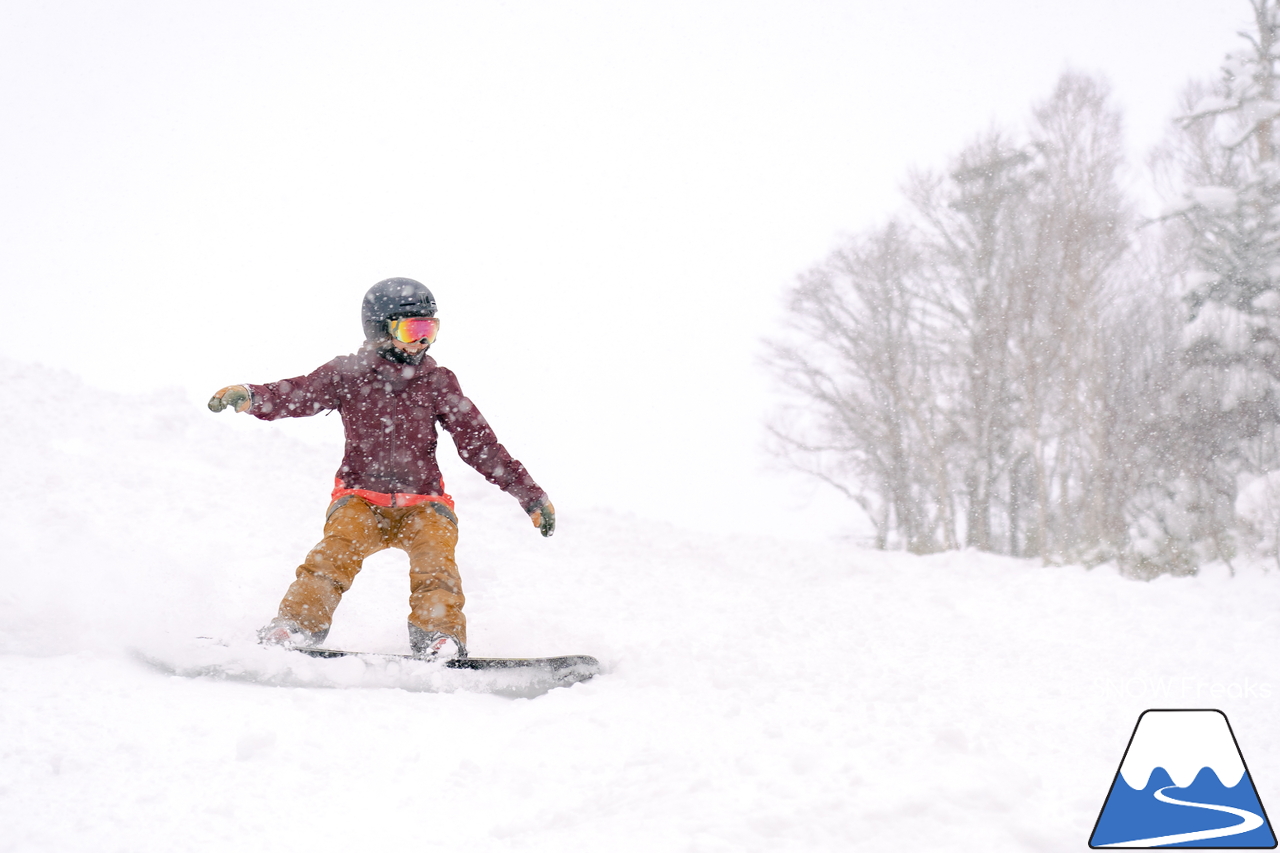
(233, 396)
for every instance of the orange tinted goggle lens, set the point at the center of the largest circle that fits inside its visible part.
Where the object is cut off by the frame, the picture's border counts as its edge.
(413, 329)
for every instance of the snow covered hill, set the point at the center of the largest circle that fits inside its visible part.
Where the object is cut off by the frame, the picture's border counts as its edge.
(758, 694)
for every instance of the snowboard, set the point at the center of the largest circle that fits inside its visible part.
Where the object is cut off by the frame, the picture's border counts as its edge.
(515, 678)
(565, 670)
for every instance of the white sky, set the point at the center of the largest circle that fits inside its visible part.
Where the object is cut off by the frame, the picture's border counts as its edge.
(609, 200)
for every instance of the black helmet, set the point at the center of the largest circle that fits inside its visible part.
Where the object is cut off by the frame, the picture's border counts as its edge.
(392, 299)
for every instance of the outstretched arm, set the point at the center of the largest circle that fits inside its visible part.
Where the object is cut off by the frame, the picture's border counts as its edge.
(288, 398)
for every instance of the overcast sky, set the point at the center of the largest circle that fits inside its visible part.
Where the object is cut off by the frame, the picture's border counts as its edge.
(609, 200)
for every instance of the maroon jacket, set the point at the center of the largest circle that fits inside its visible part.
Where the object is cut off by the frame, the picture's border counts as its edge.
(389, 412)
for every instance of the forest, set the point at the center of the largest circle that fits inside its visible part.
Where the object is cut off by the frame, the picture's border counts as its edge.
(1053, 352)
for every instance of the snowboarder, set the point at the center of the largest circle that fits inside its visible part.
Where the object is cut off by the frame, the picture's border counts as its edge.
(388, 492)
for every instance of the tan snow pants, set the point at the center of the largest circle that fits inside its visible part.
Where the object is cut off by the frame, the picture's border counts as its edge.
(354, 530)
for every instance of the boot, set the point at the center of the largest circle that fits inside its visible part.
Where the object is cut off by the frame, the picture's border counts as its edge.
(434, 645)
(286, 633)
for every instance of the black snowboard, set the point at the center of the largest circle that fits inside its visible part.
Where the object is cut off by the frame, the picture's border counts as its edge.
(563, 671)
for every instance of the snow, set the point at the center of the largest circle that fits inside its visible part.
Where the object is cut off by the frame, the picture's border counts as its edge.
(1216, 199)
(1252, 113)
(1225, 326)
(1268, 302)
(758, 693)
(1258, 507)
(1212, 104)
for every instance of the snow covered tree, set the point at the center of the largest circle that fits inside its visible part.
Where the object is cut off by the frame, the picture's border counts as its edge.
(1149, 445)
(1228, 403)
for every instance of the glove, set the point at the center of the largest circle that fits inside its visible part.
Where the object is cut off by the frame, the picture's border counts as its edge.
(543, 515)
(233, 396)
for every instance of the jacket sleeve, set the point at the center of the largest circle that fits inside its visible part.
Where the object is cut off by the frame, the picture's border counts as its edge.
(478, 445)
(298, 397)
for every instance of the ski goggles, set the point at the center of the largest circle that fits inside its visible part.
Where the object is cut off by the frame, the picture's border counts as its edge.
(411, 330)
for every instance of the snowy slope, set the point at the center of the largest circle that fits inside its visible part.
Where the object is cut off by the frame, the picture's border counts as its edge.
(759, 694)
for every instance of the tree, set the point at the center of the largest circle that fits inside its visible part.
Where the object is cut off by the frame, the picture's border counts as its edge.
(950, 372)
(974, 237)
(1228, 401)
(866, 374)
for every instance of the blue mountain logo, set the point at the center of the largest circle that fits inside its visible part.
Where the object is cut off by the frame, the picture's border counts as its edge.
(1183, 783)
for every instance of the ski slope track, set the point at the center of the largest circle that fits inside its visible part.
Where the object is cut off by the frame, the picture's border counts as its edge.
(757, 694)
(1248, 821)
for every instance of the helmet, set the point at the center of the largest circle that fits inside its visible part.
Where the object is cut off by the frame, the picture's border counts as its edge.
(391, 299)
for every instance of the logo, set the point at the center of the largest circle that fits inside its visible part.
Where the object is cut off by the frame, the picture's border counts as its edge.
(1182, 783)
